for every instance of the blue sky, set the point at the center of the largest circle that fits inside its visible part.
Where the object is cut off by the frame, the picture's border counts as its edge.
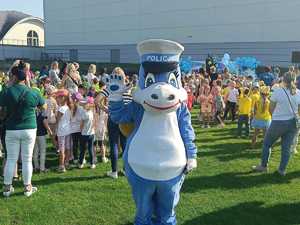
(32, 7)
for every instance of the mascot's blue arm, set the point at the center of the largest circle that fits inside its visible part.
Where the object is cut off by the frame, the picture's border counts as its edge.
(123, 113)
(187, 131)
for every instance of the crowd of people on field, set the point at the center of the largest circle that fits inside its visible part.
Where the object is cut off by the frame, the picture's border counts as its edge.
(70, 109)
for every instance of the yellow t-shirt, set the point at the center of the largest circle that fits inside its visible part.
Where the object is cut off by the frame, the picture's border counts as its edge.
(262, 114)
(245, 104)
(225, 91)
(255, 97)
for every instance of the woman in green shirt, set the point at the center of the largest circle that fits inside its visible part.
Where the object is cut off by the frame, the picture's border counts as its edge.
(20, 103)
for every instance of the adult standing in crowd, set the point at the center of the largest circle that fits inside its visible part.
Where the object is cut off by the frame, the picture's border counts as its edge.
(54, 74)
(71, 79)
(284, 107)
(20, 103)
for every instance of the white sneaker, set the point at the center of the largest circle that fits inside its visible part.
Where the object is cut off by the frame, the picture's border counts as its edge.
(93, 166)
(113, 175)
(29, 191)
(259, 169)
(84, 161)
(8, 192)
(104, 159)
(80, 166)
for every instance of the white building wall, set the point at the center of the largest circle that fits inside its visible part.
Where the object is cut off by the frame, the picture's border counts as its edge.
(266, 29)
(192, 21)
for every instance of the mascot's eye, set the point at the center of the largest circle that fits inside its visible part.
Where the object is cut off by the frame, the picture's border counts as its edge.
(173, 80)
(149, 80)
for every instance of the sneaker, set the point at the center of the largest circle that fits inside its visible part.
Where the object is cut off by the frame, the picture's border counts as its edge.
(44, 171)
(113, 175)
(207, 126)
(281, 173)
(80, 166)
(8, 190)
(84, 161)
(62, 170)
(93, 166)
(295, 151)
(29, 190)
(203, 126)
(259, 169)
(104, 160)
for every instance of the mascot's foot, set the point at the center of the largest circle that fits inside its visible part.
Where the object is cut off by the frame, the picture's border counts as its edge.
(113, 175)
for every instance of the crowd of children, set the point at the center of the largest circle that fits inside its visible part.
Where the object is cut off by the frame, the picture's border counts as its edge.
(76, 118)
(244, 100)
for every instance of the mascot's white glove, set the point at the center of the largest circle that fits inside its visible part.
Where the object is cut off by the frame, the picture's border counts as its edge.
(116, 87)
(191, 164)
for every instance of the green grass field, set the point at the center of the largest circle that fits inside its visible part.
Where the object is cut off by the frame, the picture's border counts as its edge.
(222, 191)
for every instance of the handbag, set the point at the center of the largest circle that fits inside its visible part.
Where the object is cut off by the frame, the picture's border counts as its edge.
(296, 116)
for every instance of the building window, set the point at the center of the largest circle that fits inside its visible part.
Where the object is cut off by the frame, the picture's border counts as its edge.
(32, 38)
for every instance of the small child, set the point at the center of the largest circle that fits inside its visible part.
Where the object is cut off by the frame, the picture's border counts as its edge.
(190, 99)
(101, 117)
(262, 117)
(51, 112)
(231, 99)
(219, 106)
(245, 106)
(206, 101)
(39, 154)
(63, 129)
(76, 111)
(87, 132)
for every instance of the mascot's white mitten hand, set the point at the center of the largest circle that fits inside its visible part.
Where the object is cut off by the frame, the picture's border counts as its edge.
(191, 164)
(116, 87)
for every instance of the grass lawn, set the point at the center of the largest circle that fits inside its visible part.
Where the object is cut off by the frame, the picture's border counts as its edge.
(222, 191)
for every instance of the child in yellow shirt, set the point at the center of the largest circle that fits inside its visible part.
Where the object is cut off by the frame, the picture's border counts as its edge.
(262, 117)
(245, 106)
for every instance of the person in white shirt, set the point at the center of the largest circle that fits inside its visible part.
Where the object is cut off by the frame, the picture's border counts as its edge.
(87, 132)
(232, 99)
(91, 75)
(76, 112)
(54, 74)
(285, 108)
(63, 129)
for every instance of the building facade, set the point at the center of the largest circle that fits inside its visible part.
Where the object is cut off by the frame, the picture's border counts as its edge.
(108, 30)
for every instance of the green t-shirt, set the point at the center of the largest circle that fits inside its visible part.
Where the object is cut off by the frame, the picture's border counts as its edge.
(20, 116)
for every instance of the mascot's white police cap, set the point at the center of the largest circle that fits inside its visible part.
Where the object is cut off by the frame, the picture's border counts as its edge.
(159, 51)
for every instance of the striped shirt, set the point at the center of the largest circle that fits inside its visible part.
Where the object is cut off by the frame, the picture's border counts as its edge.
(127, 96)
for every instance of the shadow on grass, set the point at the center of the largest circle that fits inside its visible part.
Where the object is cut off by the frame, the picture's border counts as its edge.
(251, 213)
(56, 180)
(229, 151)
(240, 180)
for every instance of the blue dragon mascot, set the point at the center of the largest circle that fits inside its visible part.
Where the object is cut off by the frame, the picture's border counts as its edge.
(160, 150)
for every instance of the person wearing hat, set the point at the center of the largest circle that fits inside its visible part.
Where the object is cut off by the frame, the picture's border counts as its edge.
(160, 150)
(20, 103)
(261, 114)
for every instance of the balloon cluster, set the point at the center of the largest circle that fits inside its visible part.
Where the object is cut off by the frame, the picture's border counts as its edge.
(186, 65)
(247, 63)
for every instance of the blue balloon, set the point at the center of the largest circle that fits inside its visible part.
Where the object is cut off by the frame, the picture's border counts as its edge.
(186, 65)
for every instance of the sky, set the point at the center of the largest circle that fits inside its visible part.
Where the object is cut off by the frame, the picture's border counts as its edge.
(31, 7)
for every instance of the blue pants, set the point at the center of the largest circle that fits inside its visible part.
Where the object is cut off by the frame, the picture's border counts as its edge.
(155, 200)
(243, 120)
(114, 136)
(89, 141)
(284, 129)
